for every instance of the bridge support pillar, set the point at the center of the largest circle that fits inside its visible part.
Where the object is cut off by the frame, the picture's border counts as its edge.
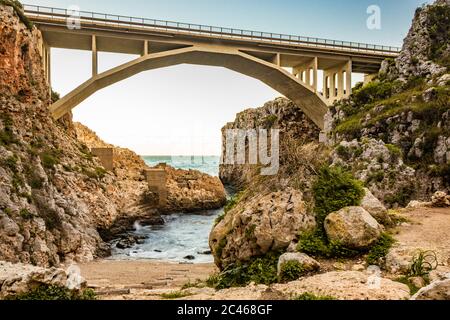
(337, 82)
(46, 58)
(106, 157)
(307, 72)
(145, 50)
(277, 59)
(94, 56)
(157, 179)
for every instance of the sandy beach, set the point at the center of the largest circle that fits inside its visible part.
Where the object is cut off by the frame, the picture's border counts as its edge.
(112, 277)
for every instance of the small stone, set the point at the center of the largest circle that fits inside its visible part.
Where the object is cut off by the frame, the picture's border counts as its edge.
(358, 267)
(414, 204)
(339, 266)
(292, 247)
(190, 257)
(418, 282)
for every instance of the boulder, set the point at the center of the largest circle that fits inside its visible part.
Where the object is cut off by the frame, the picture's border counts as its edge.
(307, 263)
(259, 225)
(440, 200)
(438, 290)
(353, 227)
(375, 208)
(16, 279)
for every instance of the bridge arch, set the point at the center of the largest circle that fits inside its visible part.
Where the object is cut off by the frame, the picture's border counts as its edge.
(302, 94)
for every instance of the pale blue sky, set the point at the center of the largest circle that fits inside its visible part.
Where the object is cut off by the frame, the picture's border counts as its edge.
(141, 113)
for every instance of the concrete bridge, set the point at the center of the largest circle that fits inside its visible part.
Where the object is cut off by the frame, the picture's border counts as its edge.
(289, 64)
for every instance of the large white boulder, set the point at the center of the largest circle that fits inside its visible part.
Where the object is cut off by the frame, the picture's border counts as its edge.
(352, 227)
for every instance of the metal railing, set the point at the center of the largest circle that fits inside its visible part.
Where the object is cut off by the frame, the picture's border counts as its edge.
(111, 20)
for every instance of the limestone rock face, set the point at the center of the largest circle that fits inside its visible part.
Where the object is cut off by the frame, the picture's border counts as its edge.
(52, 198)
(307, 263)
(353, 227)
(16, 279)
(375, 207)
(280, 114)
(420, 55)
(259, 225)
(438, 290)
(382, 170)
(192, 190)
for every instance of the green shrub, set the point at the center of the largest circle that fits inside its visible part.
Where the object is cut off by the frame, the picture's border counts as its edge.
(401, 197)
(18, 8)
(290, 271)
(311, 297)
(197, 284)
(439, 29)
(11, 163)
(7, 137)
(44, 293)
(55, 96)
(49, 159)
(260, 270)
(25, 214)
(379, 251)
(395, 151)
(97, 174)
(334, 190)
(443, 171)
(175, 295)
(231, 203)
(269, 121)
(316, 244)
(405, 280)
(377, 176)
(36, 182)
(422, 263)
(373, 91)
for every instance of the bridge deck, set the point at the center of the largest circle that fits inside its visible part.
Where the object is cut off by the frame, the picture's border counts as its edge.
(122, 34)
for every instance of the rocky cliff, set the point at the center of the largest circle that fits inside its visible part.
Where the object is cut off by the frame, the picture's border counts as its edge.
(55, 196)
(406, 110)
(53, 193)
(282, 114)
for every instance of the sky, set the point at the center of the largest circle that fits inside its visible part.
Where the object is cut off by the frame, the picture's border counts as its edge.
(144, 114)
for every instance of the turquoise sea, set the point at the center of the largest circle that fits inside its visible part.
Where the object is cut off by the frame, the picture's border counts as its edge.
(206, 164)
(183, 234)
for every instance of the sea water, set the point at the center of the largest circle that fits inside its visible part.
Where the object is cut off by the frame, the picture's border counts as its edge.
(183, 234)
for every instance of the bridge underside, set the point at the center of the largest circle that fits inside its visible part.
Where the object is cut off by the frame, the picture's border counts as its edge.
(276, 77)
(254, 56)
